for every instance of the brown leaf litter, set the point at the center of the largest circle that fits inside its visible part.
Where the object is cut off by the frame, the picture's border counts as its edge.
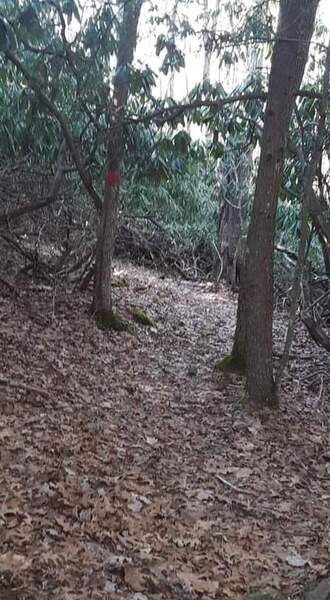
(130, 469)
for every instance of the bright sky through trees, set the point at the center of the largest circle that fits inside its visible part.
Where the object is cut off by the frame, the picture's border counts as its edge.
(192, 47)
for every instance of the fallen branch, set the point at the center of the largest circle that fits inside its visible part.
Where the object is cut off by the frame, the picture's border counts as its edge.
(23, 386)
(26, 209)
(50, 199)
(317, 301)
(317, 333)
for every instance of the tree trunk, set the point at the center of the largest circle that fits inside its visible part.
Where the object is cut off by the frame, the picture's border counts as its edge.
(102, 303)
(235, 184)
(318, 211)
(208, 45)
(228, 238)
(236, 362)
(295, 28)
(310, 172)
(323, 231)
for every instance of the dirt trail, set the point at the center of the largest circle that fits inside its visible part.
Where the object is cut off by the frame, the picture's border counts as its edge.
(140, 474)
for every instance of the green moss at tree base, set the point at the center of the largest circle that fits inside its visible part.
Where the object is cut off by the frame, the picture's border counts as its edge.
(232, 363)
(107, 320)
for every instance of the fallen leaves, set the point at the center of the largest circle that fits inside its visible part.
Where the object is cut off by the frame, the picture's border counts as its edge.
(14, 563)
(137, 476)
(198, 583)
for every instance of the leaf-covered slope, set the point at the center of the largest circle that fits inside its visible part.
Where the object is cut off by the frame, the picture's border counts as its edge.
(137, 474)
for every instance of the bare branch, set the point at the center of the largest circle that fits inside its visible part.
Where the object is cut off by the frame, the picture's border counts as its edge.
(36, 87)
(28, 208)
(164, 114)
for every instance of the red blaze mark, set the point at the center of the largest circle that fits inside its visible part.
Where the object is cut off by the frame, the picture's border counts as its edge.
(113, 178)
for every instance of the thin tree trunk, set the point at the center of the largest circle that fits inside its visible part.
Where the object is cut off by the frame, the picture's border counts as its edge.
(102, 303)
(323, 231)
(295, 28)
(228, 237)
(235, 178)
(238, 354)
(309, 177)
(208, 46)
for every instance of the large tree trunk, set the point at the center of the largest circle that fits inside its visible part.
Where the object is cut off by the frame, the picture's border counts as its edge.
(102, 303)
(295, 28)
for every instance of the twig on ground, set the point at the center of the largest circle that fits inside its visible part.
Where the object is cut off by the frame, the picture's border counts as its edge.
(24, 386)
(234, 487)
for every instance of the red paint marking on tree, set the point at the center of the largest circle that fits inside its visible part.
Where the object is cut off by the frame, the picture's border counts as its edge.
(113, 178)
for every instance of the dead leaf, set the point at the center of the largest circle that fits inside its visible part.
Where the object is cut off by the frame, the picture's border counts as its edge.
(291, 557)
(198, 583)
(135, 578)
(205, 495)
(14, 562)
(136, 506)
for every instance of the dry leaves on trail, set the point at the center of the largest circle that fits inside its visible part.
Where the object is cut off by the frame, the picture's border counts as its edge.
(138, 473)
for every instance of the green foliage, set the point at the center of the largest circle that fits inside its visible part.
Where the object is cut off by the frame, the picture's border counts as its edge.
(29, 21)
(70, 9)
(169, 177)
(174, 58)
(184, 205)
(7, 37)
(288, 235)
(140, 317)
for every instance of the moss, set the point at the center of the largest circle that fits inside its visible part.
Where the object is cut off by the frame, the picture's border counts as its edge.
(231, 364)
(140, 317)
(268, 594)
(120, 283)
(108, 320)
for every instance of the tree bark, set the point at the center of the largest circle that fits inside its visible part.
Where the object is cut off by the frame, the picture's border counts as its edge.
(295, 28)
(102, 303)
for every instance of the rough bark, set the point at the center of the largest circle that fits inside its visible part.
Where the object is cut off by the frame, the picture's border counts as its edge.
(295, 28)
(102, 304)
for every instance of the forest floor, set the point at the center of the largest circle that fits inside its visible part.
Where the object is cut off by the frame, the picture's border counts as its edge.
(131, 469)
